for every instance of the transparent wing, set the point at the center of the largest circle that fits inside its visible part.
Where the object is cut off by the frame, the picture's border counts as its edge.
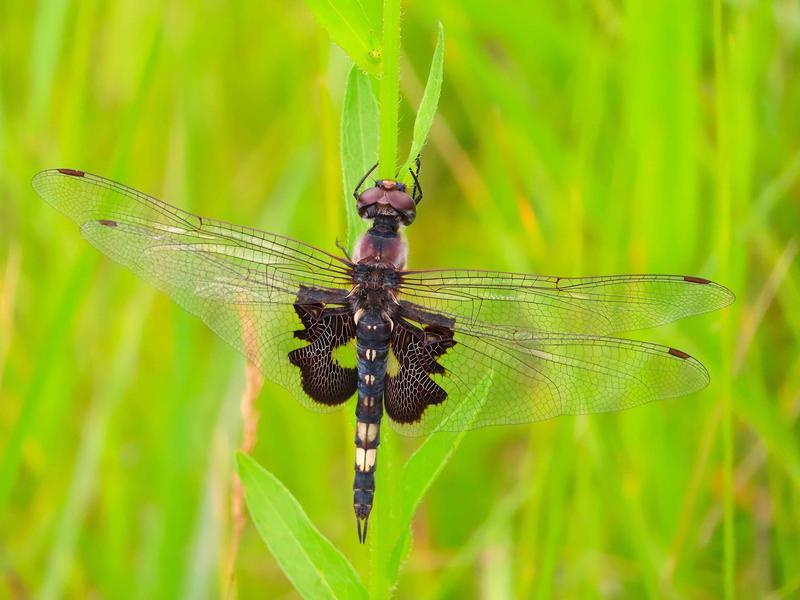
(590, 305)
(242, 282)
(497, 376)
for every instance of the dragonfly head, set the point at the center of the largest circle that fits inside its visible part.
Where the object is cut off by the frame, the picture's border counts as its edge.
(389, 198)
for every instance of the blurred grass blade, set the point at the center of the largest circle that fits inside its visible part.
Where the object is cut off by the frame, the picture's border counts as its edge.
(49, 24)
(348, 24)
(86, 472)
(429, 103)
(313, 565)
(427, 463)
(359, 142)
(775, 431)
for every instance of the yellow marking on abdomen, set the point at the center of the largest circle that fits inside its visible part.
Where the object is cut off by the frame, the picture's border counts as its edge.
(365, 459)
(367, 432)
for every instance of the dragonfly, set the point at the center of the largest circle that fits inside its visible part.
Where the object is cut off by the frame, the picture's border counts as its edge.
(435, 350)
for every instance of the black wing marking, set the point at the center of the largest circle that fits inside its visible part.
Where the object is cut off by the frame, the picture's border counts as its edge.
(589, 305)
(242, 282)
(322, 378)
(408, 393)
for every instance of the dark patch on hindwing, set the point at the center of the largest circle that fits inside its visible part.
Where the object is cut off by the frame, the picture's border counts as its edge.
(322, 378)
(408, 393)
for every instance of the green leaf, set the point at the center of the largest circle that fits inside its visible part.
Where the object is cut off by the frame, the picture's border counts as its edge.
(349, 25)
(359, 142)
(429, 103)
(427, 463)
(313, 565)
(389, 89)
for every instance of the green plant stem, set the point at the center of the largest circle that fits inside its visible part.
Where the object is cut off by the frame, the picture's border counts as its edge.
(723, 117)
(389, 89)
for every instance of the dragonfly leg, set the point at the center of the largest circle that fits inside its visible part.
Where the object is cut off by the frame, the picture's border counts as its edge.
(416, 193)
(363, 179)
(343, 249)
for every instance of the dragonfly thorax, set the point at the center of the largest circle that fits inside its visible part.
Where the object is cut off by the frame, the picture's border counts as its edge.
(382, 244)
(375, 287)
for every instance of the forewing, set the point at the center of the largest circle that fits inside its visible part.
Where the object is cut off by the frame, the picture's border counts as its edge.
(242, 282)
(589, 305)
(534, 377)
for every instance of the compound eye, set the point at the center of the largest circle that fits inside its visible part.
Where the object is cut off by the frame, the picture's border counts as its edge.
(401, 187)
(400, 201)
(369, 197)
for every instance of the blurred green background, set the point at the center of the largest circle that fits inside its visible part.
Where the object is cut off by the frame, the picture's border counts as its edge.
(572, 138)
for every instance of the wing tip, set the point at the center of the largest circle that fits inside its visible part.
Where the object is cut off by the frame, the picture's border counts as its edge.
(728, 297)
(60, 171)
(678, 353)
(691, 362)
(693, 279)
(41, 176)
(72, 172)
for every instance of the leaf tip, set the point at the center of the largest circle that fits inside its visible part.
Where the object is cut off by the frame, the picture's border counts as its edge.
(243, 460)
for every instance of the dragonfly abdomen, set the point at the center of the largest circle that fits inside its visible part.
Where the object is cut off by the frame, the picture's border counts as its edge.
(372, 346)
